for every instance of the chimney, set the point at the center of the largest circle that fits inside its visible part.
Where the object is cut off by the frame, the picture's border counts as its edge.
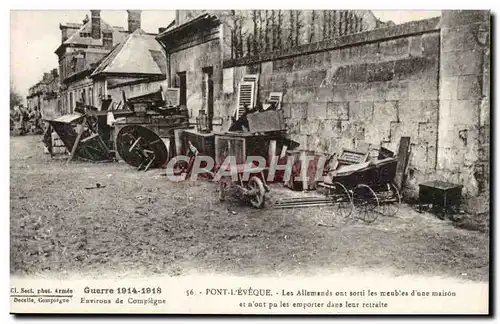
(134, 20)
(96, 23)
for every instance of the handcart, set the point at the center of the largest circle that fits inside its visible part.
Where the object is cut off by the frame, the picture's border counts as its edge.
(371, 187)
(246, 181)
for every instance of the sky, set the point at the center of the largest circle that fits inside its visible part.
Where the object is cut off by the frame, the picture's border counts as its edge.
(35, 35)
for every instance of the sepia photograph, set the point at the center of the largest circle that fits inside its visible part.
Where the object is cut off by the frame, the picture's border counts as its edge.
(261, 161)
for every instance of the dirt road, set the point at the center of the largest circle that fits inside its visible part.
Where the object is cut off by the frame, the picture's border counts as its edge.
(142, 222)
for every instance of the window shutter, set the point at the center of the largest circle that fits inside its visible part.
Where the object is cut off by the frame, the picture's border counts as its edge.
(255, 79)
(246, 95)
(276, 97)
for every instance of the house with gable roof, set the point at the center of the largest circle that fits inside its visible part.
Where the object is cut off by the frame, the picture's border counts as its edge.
(82, 47)
(135, 67)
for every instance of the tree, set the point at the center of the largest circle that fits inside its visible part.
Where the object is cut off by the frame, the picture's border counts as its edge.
(15, 98)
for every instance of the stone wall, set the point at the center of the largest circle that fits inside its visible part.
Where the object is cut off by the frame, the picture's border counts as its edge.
(360, 92)
(464, 107)
(428, 80)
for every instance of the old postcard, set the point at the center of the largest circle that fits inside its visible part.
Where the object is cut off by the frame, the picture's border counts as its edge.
(250, 161)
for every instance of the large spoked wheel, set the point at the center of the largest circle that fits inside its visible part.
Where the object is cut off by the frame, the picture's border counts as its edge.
(342, 205)
(366, 202)
(257, 192)
(141, 147)
(390, 200)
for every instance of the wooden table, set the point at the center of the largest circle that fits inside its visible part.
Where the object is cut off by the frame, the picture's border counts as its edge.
(442, 194)
(244, 144)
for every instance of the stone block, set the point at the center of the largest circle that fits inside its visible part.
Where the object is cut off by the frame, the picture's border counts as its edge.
(335, 56)
(475, 36)
(309, 126)
(416, 48)
(308, 78)
(338, 110)
(346, 92)
(397, 90)
(345, 55)
(465, 111)
(316, 110)
(267, 68)
(298, 110)
(452, 40)
(324, 94)
(369, 52)
(354, 130)
(430, 44)
(361, 111)
(449, 88)
(385, 111)
(394, 48)
(287, 95)
(331, 128)
(427, 132)
(415, 67)
(350, 74)
(423, 89)
(373, 91)
(355, 52)
(287, 110)
(461, 63)
(383, 71)
(420, 111)
(469, 87)
(395, 131)
(303, 94)
(423, 157)
(453, 18)
(283, 65)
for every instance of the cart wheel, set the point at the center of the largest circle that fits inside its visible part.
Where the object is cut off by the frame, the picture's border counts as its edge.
(366, 202)
(341, 204)
(390, 200)
(258, 198)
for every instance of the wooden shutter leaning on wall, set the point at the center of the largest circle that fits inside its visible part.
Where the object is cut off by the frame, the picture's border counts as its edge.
(255, 79)
(246, 95)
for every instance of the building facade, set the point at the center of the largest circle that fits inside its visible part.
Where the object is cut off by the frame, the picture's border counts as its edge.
(44, 96)
(82, 47)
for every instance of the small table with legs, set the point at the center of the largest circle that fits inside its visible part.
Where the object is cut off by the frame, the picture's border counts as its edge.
(443, 195)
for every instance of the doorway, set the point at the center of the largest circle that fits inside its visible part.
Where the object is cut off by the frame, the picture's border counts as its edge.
(182, 88)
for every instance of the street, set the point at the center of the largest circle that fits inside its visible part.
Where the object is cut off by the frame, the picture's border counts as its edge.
(140, 222)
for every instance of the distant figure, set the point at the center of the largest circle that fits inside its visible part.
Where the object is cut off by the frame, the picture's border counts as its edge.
(47, 139)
